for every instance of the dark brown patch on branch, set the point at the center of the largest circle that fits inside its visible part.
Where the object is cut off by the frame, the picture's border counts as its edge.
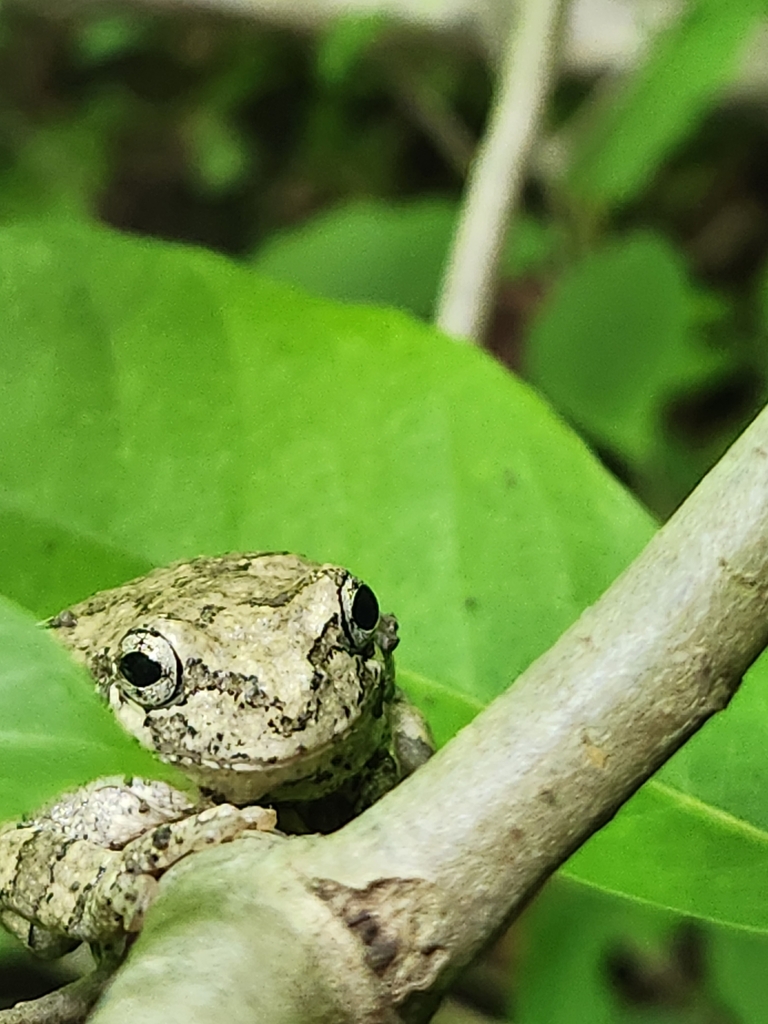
(399, 921)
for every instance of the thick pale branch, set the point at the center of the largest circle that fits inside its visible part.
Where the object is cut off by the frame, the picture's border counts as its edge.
(363, 925)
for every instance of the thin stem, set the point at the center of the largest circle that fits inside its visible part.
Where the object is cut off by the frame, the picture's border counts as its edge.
(440, 123)
(497, 173)
(67, 1005)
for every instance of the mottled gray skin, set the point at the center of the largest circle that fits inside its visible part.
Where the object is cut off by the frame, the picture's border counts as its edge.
(87, 868)
(263, 677)
(275, 692)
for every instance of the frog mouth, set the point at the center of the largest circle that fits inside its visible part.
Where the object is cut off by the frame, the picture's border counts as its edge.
(241, 778)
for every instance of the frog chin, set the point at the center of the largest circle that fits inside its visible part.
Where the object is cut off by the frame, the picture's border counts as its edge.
(230, 769)
(303, 776)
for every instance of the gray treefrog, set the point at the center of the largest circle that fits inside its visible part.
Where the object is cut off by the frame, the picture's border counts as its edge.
(267, 679)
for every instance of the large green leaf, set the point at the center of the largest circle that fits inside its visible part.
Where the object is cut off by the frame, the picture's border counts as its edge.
(52, 725)
(159, 402)
(164, 402)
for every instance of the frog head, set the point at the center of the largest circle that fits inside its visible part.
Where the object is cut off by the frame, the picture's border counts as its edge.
(261, 676)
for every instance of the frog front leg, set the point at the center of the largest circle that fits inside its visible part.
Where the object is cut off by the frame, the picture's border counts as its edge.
(87, 868)
(411, 745)
(411, 736)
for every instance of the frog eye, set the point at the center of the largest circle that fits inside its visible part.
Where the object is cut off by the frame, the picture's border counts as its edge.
(148, 668)
(361, 611)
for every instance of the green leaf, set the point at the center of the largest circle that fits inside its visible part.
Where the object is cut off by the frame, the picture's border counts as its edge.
(446, 709)
(166, 402)
(569, 933)
(218, 150)
(713, 863)
(345, 43)
(161, 402)
(51, 566)
(664, 100)
(158, 402)
(703, 817)
(61, 167)
(615, 341)
(109, 36)
(54, 731)
(369, 251)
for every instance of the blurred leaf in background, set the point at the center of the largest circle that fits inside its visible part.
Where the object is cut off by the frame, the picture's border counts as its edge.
(344, 43)
(391, 254)
(625, 138)
(616, 340)
(110, 36)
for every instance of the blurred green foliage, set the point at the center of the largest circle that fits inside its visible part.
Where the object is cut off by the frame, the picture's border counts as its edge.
(388, 253)
(160, 401)
(618, 147)
(625, 313)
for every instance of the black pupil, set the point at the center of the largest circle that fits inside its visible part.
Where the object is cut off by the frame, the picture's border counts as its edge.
(365, 608)
(140, 670)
